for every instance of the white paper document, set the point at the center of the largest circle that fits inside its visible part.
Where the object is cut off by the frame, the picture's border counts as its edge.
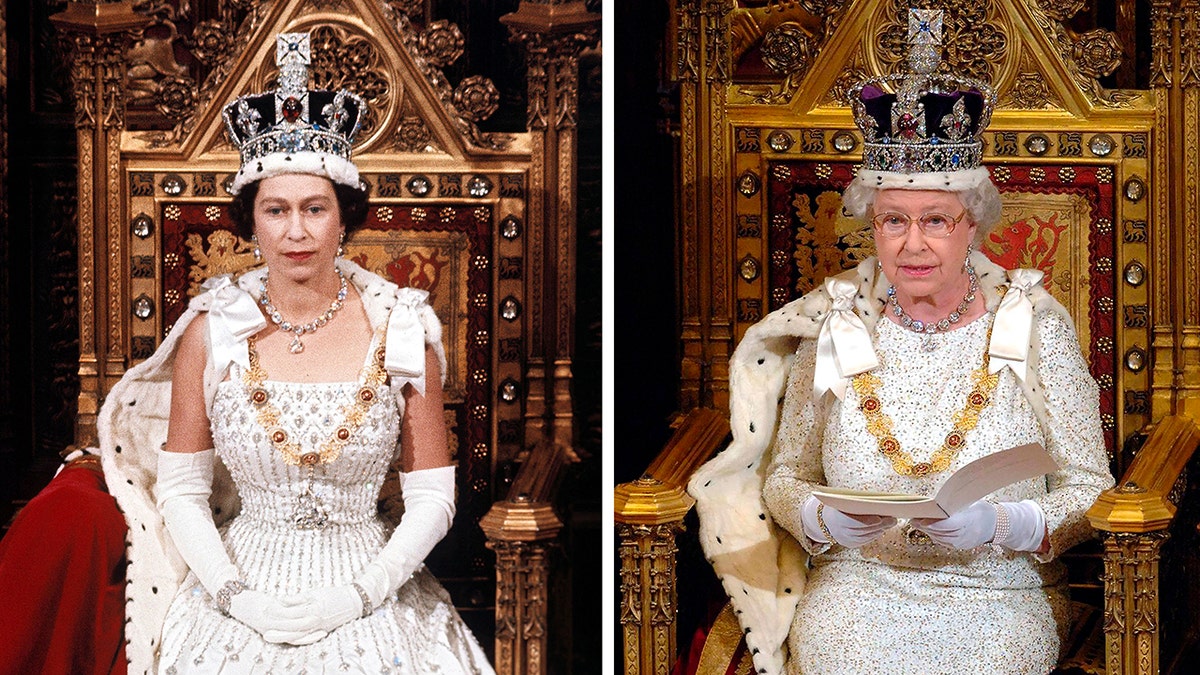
(969, 484)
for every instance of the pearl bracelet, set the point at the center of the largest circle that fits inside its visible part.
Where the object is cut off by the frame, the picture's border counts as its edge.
(366, 601)
(1003, 526)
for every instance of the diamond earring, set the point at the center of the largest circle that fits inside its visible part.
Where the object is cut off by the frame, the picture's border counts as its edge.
(257, 251)
(341, 240)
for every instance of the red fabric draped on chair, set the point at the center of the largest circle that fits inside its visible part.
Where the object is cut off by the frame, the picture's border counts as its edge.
(62, 578)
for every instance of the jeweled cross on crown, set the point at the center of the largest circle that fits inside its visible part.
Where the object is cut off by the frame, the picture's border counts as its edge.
(924, 54)
(293, 54)
(924, 40)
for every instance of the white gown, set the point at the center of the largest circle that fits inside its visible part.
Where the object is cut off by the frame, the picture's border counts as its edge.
(904, 605)
(416, 631)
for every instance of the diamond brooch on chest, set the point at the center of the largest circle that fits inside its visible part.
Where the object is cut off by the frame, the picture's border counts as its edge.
(929, 343)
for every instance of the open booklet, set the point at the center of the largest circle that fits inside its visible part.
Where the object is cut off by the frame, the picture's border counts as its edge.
(969, 484)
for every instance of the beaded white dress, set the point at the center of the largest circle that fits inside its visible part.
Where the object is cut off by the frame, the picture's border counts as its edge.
(903, 604)
(415, 631)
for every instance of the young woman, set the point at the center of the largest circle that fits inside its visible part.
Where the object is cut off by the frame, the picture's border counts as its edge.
(290, 388)
(306, 575)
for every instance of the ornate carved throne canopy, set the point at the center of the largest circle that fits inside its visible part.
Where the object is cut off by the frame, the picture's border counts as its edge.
(765, 123)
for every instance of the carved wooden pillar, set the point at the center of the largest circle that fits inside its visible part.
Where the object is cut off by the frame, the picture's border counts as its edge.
(1131, 630)
(1165, 334)
(552, 33)
(99, 33)
(522, 528)
(649, 515)
(521, 532)
(1133, 522)
(1186, 145)
(705, 202)
(1133, 519)
(1175, 78)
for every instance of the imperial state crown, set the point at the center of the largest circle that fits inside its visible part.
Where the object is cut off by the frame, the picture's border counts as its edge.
(922, 120)
(294, 129)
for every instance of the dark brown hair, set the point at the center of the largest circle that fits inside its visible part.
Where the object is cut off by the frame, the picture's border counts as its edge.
(352, 205)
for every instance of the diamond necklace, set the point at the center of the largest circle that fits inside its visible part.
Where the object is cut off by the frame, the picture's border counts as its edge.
(296, 328)
(932, 327)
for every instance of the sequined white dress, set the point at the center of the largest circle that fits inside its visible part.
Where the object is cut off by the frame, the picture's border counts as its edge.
(416, 631)
(900, 605)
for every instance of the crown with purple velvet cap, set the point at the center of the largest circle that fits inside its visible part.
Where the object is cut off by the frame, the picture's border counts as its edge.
(922, 129)
(294, 129)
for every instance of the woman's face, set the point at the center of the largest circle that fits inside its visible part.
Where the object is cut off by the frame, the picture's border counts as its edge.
(918, 265)
(298, 224)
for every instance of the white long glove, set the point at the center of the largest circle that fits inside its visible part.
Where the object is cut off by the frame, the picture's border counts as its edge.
(184, 485)
(327, 608)
(277, 620)
(850, 531)
(977, 525)
(428, 512)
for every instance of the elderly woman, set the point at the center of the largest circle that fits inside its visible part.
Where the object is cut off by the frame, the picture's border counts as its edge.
(897, 374)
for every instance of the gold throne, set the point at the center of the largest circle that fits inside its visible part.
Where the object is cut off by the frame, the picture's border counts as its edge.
(484, 221)
(1101, 191)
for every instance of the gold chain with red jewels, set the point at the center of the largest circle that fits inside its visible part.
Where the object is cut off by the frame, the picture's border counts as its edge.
(866, 385)
(268, 415)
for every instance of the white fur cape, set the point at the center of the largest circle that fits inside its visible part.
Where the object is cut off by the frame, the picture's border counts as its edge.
(760, 565)
(133, 427)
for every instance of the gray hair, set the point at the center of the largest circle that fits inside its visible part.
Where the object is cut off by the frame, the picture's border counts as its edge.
(980, 198)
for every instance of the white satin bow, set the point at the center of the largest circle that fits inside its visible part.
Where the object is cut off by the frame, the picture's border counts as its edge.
(405, 354)
(1014, 321)
(232, 318)
(844, 346)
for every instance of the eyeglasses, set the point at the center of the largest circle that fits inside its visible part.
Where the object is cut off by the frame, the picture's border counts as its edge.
(894, 225)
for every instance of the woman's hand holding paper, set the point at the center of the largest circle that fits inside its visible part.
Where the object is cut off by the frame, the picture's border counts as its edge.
(827, 525)
(1018, 526)
(971, 527)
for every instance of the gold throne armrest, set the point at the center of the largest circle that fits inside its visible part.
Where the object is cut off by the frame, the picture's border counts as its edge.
(1133, 519)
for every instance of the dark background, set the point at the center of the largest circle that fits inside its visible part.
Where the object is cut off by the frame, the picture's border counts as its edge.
(646, 128)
